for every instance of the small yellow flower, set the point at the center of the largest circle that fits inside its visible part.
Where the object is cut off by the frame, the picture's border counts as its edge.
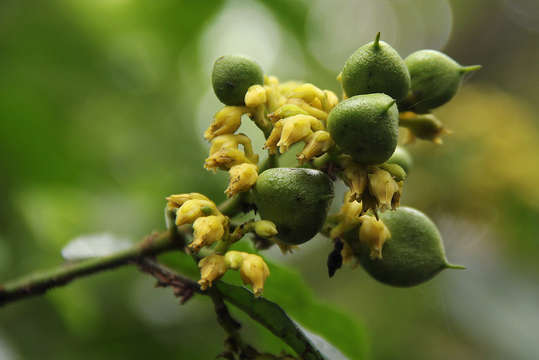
(193, 209)
(207, 230)
(175, 201)
(255, 96)
(242, 178)
(253, 269)
(212, 268)
(348, 216)
(254, 272)
(286, 132)
(225, 152)
(355, 176)
(265, 228)
(317, 144)
(295, 129)
(226, 121)
(374, 233)
(383, 187)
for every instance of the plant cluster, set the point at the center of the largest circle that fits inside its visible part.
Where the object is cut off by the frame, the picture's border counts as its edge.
(354, 139)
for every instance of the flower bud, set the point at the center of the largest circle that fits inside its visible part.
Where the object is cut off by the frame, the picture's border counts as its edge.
(226, 121)
(265, 228)
(383, 187)
(317, 144)
(242, 178)
(193, 209)
(255, 96)
(212, 268)
(234, 259)
(175, 201)
(207, 230)
(423, 126)
(253, 269)
(374, 233)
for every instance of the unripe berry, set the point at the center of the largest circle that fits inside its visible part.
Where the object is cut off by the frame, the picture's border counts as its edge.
(435, 79)
(365, 127)
(402, 157)
(376, 68)
(295, 199)
(413, 254)
(232, 76)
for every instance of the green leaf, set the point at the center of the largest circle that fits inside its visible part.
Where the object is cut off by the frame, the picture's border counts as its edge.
(287, 288)
(272, 316)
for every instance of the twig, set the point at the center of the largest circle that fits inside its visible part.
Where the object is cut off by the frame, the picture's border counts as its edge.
(41, 281)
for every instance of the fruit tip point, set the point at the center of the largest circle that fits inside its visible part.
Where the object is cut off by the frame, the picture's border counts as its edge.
(377, 40)
(455, 267)
(467, 69)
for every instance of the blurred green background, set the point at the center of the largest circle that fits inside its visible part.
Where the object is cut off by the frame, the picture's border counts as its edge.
(102, 108)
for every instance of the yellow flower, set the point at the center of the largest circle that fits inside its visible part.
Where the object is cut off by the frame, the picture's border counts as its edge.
(225, 152)
(384, 188)
(175, 201)
(332, 100)
(253, 269)
(317, 144)
(226, 121)
(242, 178)
(193, 209)
(212, 268)
(207, 230)
(348, 216)
(374, 233)
(286, 132)
(355, 177)
(265, 228)
(295, 129)
(255, 96)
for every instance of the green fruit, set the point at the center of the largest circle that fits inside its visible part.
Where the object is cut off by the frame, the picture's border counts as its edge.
(435, 79)
(376, 68)
(401, 157)
(365, 127)
(295, 199)
(232, 76)
(412, 255)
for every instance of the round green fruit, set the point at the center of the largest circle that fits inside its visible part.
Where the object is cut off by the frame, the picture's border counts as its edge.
(232, 76)
(435, 79)
(412, 255)
(295, 199)
(366, 127)
(376, 68)
(402, 157)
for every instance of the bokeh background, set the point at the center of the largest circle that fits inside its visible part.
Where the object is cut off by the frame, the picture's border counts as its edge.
(102, 108)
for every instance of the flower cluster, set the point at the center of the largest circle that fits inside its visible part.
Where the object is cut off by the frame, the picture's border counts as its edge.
(354, 139)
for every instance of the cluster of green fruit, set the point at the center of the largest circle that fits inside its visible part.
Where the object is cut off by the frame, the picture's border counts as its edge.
(354, 139)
